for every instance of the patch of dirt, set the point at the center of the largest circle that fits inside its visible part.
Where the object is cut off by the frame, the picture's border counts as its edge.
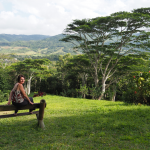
(6, 112)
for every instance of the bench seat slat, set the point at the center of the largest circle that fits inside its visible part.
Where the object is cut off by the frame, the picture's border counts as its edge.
(12, 107)
(19, 114)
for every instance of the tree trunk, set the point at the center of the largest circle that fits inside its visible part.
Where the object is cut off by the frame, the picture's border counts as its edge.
(96, 80)
(83, 76)
(25, 87)
(83, 95)
(29, 85)
(40, 84)
(114, 93)
(103, 89)
(114, 96)
(35, 84)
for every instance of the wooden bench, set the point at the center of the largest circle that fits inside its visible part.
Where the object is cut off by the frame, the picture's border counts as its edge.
(39, 114)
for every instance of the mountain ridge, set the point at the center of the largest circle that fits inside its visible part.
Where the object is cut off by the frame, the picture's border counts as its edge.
(47, 45)
(21, 37)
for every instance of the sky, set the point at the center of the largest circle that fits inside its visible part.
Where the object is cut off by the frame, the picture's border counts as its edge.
(50, 17)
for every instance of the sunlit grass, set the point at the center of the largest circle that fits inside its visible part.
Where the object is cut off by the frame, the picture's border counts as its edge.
(27, 51)
(73, 123)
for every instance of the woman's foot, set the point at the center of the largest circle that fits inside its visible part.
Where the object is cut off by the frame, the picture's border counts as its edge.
(31, 112)
(15, 114)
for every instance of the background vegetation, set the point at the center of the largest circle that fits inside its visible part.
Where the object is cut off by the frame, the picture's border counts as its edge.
(112, 60)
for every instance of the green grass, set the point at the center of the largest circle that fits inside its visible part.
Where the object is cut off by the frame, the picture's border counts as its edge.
(27, 51)
(79, 124)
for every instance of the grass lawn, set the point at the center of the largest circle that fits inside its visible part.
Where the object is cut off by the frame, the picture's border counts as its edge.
(79, 124)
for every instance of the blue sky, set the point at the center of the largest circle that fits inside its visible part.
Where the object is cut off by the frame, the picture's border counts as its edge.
(50, 17)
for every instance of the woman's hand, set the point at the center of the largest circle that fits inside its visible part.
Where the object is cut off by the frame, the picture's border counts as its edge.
(31, 103)
(8, 103)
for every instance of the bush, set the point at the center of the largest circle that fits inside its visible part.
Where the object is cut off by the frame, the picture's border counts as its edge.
(39, 93)
(4, 96)
(138, 89)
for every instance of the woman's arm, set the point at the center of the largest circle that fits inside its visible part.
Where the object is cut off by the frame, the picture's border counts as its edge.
(23, 92)
(9, 101)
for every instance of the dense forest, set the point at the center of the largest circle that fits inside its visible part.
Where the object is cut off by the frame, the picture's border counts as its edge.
(112, 60)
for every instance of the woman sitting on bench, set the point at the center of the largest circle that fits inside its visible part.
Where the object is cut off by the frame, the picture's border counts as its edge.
(18, 95)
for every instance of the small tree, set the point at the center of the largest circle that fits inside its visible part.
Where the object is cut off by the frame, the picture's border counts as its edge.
(29, 67)
(83, 90)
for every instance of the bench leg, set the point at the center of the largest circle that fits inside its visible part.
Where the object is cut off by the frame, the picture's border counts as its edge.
(41, 114)
(37, 116)
(41, 124)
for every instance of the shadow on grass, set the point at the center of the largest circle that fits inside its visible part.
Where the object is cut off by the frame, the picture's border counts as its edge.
(123, 104)
(125, 129)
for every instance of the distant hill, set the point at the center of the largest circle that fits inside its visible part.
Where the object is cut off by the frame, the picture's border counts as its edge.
(35, 45)
(32, 46)
(13, 37)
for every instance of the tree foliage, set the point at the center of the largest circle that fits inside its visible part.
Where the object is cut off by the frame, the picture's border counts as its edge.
(111, 37)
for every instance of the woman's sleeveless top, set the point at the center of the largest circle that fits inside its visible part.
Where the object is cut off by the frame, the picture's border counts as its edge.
(17, 96)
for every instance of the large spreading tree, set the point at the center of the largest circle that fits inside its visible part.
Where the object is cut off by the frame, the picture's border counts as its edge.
(106, 40)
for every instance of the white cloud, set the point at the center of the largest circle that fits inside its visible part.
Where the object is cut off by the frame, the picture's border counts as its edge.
(1, 6)
(50, 17)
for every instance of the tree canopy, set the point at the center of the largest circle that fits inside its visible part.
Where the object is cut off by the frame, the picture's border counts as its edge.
(110, 38)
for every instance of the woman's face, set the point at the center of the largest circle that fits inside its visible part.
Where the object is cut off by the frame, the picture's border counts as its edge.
(22, 80)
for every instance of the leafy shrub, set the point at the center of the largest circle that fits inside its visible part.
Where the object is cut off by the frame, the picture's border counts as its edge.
(83, 90)
(39, 93)
(4, 96)
(69, 93)
(138, 89)
(95, 92)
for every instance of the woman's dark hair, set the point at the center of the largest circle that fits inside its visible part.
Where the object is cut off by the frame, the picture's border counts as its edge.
(20, 77)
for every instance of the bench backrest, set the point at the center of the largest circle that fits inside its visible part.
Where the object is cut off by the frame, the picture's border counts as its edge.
(12, 107)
